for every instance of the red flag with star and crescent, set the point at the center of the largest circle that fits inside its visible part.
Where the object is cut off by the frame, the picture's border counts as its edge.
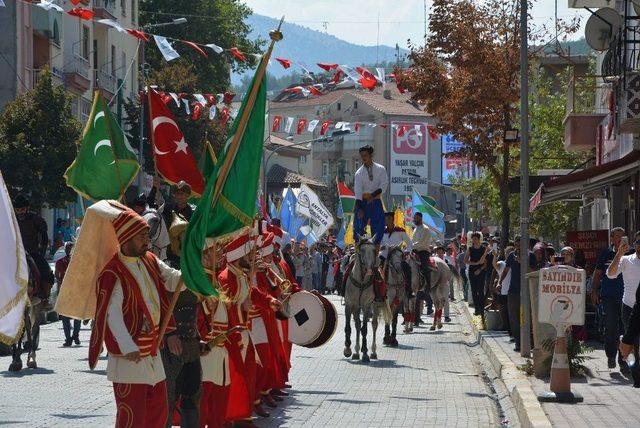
(174, 159)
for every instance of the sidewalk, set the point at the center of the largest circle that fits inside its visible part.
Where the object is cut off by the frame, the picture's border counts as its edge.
(609, 398)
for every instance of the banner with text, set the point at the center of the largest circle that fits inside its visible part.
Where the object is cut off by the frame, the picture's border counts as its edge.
(309, 205)
(409, 163)
(589, 242)
(451, 165)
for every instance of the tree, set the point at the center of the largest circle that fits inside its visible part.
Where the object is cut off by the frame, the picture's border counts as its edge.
(547, 110)
(220, 22)
(37, 143)
(467, 75)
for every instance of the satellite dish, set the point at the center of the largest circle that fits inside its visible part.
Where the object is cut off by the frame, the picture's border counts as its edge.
(602, 26)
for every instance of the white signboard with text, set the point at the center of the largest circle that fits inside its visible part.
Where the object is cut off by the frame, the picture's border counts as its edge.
(409, 165)
(310, 206)
(562, 294)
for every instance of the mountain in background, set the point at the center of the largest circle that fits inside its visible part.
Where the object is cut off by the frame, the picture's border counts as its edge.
(301, 44)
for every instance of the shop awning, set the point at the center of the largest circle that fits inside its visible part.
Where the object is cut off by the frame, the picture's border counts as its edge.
(587, 180)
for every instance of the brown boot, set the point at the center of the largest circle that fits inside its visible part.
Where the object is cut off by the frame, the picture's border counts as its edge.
(260, 411)
(268, 400)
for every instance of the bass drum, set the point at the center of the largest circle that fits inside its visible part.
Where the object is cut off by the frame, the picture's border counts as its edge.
(312, 319)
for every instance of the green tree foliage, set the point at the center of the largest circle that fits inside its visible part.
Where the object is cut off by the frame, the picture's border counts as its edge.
(221, 22)
(547, 109)
(37, 143)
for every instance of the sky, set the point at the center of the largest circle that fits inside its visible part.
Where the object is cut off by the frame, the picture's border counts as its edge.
(356, 20)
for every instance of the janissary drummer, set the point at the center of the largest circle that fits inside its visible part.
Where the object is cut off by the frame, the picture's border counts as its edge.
(131, 304)
(239, 295)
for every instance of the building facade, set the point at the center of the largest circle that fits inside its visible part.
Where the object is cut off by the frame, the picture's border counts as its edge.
(603, 117)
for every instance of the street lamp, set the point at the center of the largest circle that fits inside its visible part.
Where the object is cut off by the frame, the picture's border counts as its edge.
(333, 135)
(143, 72)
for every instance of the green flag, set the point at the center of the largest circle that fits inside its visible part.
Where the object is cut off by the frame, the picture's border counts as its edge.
(105, 164)
(228, 203)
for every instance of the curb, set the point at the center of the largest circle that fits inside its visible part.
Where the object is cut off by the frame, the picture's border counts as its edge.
(525, 400)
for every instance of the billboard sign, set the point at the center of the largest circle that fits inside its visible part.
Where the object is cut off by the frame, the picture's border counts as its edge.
(408, 169)
(451, 166)
(590, 242)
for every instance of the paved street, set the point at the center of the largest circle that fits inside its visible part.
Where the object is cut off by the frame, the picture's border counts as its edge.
(432, 379)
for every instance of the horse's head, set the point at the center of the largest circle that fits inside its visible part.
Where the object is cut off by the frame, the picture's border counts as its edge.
(416, 278)
(367, 255)
(395, 256)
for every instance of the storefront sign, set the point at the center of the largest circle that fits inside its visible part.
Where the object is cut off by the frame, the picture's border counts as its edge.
(409, 162)
(561, 295)
(590, 242)
(452, 166)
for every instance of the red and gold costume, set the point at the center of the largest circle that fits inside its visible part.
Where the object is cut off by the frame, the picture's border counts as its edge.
(131, 305)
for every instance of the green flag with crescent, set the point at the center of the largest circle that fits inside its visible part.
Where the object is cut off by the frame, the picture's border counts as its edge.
(105, 164)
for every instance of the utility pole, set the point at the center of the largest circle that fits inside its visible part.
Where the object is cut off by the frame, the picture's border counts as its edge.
(525, 338)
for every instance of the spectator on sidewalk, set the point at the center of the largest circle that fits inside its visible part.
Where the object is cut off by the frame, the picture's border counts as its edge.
(476, 260)
(61, 269)
(462, 268)
(298, 261)
(609, 291)
(513, 266)
(629, 267)
(316, 267)
(500, 263)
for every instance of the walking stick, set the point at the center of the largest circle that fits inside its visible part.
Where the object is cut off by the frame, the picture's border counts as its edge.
(167, 317)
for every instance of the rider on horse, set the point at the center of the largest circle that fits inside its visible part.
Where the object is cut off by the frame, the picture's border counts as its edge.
(35, 239)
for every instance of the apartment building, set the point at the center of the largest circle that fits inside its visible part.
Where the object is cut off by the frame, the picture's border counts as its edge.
(81, 55)
(603, 117)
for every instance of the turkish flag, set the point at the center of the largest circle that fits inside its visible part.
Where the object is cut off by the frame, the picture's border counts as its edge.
(368, 80)
(81, 13)
(325, 126)
(195, 47)
(138, 34)
(357, 128)
(327, 66)
(174, 159)
(337, 76)
(301, 124)
(314, 90)
(276, 124)
(237, 54)
(285, 62)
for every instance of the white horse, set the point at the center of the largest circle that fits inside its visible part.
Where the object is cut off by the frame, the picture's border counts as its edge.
(359, 299)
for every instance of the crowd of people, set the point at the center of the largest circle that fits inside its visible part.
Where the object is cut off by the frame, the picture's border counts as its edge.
(491, 276)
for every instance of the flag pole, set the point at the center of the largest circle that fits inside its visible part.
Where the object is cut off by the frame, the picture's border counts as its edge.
(276, 36)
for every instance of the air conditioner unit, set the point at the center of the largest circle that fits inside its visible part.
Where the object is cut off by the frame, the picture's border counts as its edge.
(629, 104)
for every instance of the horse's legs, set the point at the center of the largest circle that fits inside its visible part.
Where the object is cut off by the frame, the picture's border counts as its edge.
(365, 320)
(347, 332)
(31, 337)
(374, 328)
(394, 323)
(356, 349)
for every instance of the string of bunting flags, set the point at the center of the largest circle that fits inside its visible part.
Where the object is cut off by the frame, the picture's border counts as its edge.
(302, 125)
(359, 75)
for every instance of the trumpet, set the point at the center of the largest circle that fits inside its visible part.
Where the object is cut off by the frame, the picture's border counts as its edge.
(281, 282)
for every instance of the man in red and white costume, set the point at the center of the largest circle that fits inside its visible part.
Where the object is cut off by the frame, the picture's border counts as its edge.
(239, 295)
(281, 268)
(130, 305)
(265, 335)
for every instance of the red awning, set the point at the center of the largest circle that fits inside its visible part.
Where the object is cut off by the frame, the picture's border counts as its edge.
(587, 180)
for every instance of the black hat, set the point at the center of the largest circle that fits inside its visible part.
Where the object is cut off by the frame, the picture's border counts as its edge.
(21, 201)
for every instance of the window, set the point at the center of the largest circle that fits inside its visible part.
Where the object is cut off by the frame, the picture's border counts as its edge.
(95, 54)
(74, 106)
(86, 109)
(56, 33)
(133, 11)
(123, 67)
(325, 169)
(338, 106)
(123, 7)
(85, 43)
(113, 60)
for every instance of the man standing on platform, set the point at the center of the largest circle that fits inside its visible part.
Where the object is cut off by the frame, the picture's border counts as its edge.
(370, 183)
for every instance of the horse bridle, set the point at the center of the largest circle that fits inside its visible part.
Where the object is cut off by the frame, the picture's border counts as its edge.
(391, 265)
(358, 284)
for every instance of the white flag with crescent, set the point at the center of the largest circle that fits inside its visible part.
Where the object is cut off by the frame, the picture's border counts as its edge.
(14, 272)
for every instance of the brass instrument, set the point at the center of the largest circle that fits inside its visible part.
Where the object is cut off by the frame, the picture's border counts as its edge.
(281, 282)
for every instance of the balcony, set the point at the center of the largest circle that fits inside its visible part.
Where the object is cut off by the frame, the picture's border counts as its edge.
(104, 9)
(106, 82)
(56, 76)
(585, 111)
(76, 74)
